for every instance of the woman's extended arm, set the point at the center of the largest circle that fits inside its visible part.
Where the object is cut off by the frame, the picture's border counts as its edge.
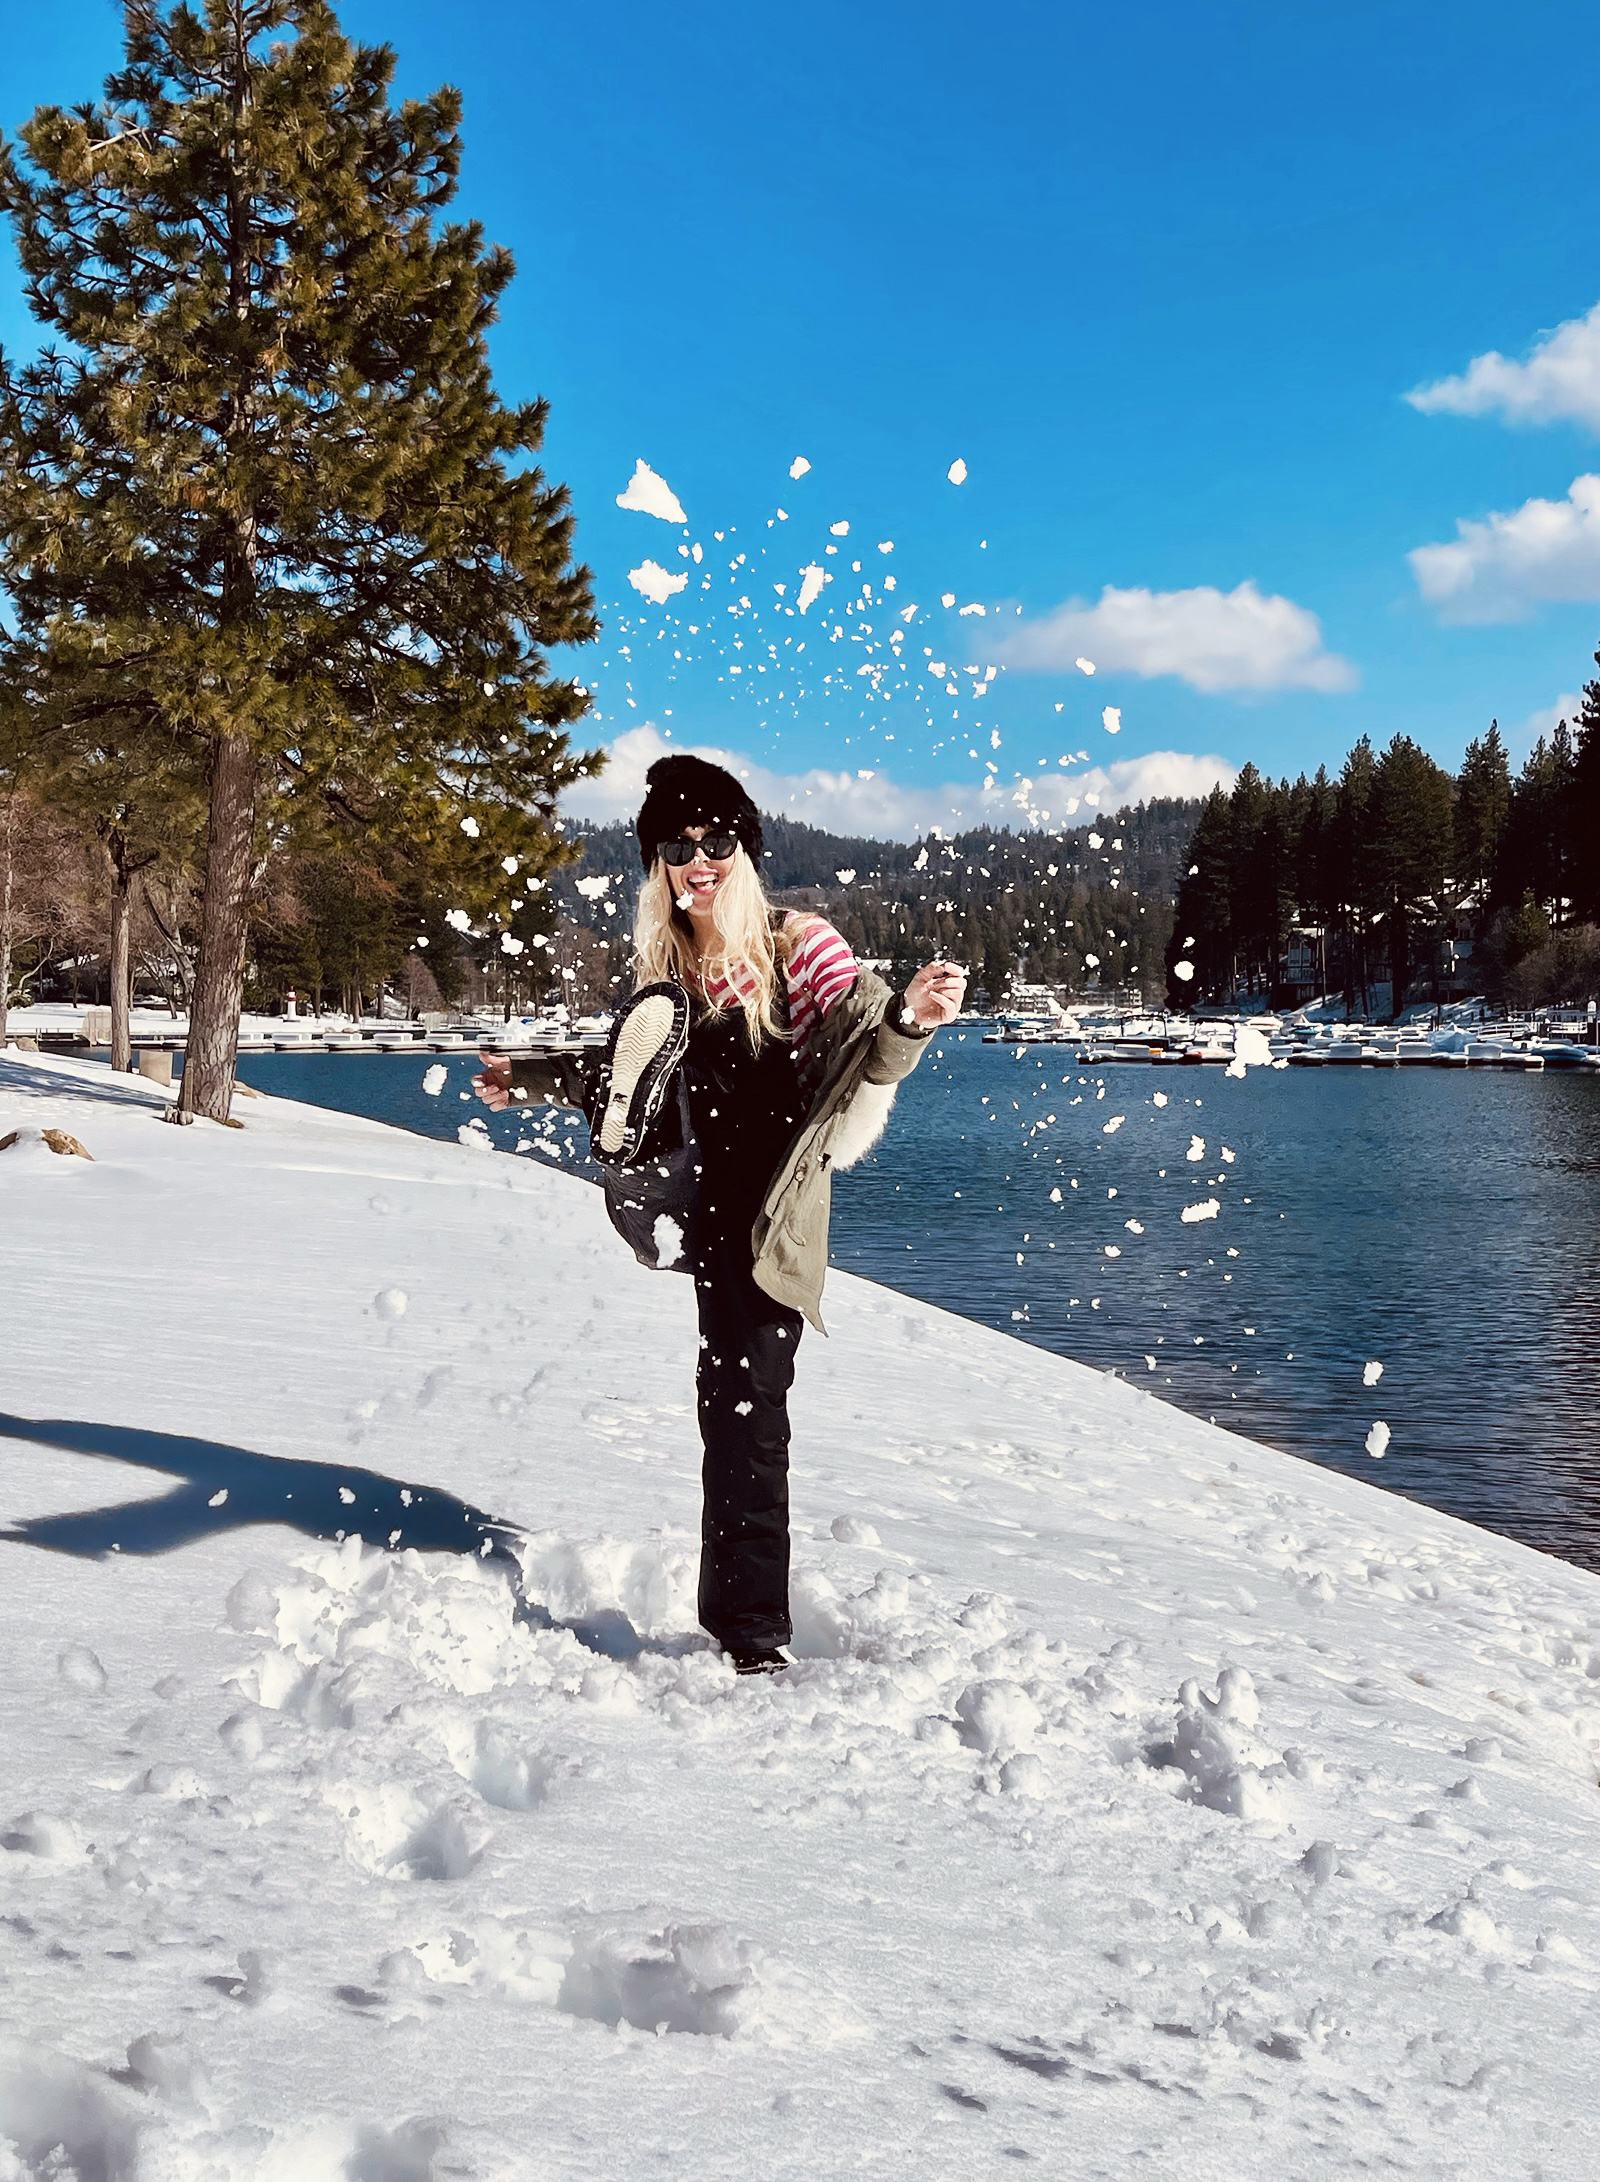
(544, 1079)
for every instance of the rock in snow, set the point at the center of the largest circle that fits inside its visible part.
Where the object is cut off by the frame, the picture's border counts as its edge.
(1143, 1800)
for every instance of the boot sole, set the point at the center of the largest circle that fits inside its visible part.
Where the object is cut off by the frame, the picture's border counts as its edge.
(639, 1042)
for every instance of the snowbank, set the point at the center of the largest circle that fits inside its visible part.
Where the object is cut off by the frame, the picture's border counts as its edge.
(1145, 1801)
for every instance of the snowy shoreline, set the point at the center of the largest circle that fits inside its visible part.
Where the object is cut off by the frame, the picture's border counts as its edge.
(318, 1863)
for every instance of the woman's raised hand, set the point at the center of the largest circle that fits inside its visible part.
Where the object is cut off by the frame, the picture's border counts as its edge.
(493, 1081)
(935, 994)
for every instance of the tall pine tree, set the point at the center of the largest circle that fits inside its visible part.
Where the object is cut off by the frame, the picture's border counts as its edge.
(267, 479)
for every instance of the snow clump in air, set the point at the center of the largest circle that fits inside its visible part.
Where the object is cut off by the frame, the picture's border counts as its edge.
(1207, 1209)
(1111, 719)
(1377, 1440)
(655, 583)
(1183, 971)
(648, 494)
(957, 472)
(1197, 1148)
(812, 578)
(1371, 1373)
(668, 1238)
(799, 466)
(433, 1079)
(1084, 666)
(1110, 1128)
(1250, 1050)
(469, 826)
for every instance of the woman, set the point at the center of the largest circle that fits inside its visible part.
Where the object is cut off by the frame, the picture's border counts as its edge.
(792, 1054)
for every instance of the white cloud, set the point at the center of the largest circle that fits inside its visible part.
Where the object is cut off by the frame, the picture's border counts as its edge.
(1501, 568)
(1543, 722)
(648, 494)
(1560, 381)
(884, 809)
(1213, 640)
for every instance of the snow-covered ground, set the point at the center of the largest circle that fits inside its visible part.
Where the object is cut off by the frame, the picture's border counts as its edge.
(1146, 1802)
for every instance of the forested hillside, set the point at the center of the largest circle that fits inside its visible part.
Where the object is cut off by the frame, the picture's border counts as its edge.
(1088, 908)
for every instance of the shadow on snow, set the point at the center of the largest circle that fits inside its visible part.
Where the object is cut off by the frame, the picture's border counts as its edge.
(229, 1488)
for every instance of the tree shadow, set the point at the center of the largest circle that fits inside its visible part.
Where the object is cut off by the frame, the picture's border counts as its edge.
(228, 1488)
(21, 1073)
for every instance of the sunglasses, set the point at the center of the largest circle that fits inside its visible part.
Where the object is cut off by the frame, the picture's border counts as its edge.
(717, 846)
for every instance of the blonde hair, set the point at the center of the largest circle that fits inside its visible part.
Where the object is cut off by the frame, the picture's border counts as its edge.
(745, 954)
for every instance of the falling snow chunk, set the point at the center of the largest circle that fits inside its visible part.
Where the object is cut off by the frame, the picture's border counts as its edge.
(1197, 1148)
(668, 1238)
(469, 826)
(885, 545)
(510, 944)
(947, 598)
(656, 583)
(839, 530)
(593, 889)
(1110, 1128)
(433, 1079)
(1111, 720)
(1112, 1251)
(648, 494)
(845, 878)
(1084, 666)
(458, 920)
(1377, 1440)
(1134, 1227)
(957, 472)
(1207, 1209)
(799, 466)
(1371, 1373)
(812, 578)
(1183, 971)
(1097, 841)
(1158, 1098)
(975, 609)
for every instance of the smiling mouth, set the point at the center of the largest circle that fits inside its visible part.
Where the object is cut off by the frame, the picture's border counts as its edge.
(702, 882)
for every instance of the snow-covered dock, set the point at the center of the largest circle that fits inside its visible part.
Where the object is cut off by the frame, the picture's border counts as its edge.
(1145, 1802)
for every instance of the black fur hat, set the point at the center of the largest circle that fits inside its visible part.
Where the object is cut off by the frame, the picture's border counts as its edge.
(682, 790)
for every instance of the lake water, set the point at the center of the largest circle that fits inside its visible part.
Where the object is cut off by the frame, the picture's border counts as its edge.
(1445, 1225)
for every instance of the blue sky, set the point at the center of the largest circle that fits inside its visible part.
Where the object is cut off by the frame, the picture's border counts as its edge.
(1162, 279)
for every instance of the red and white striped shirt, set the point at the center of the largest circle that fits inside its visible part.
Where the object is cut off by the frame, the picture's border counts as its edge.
(820, 968)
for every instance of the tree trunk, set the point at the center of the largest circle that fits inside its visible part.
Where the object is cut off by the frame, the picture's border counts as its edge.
(213, 1041)
(8, 873)
(121, 963)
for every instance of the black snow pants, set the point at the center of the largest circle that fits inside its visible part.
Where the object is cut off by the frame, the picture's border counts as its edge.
(745, 1107)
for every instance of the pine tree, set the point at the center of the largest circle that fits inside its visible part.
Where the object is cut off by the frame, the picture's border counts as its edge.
(1353, 876)
(1411, 851)
(267, 480)
(1483, 804)
(1204, 913)
(1586, 806)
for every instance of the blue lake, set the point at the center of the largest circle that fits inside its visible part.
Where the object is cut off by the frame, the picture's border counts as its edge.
(1445, 1225)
